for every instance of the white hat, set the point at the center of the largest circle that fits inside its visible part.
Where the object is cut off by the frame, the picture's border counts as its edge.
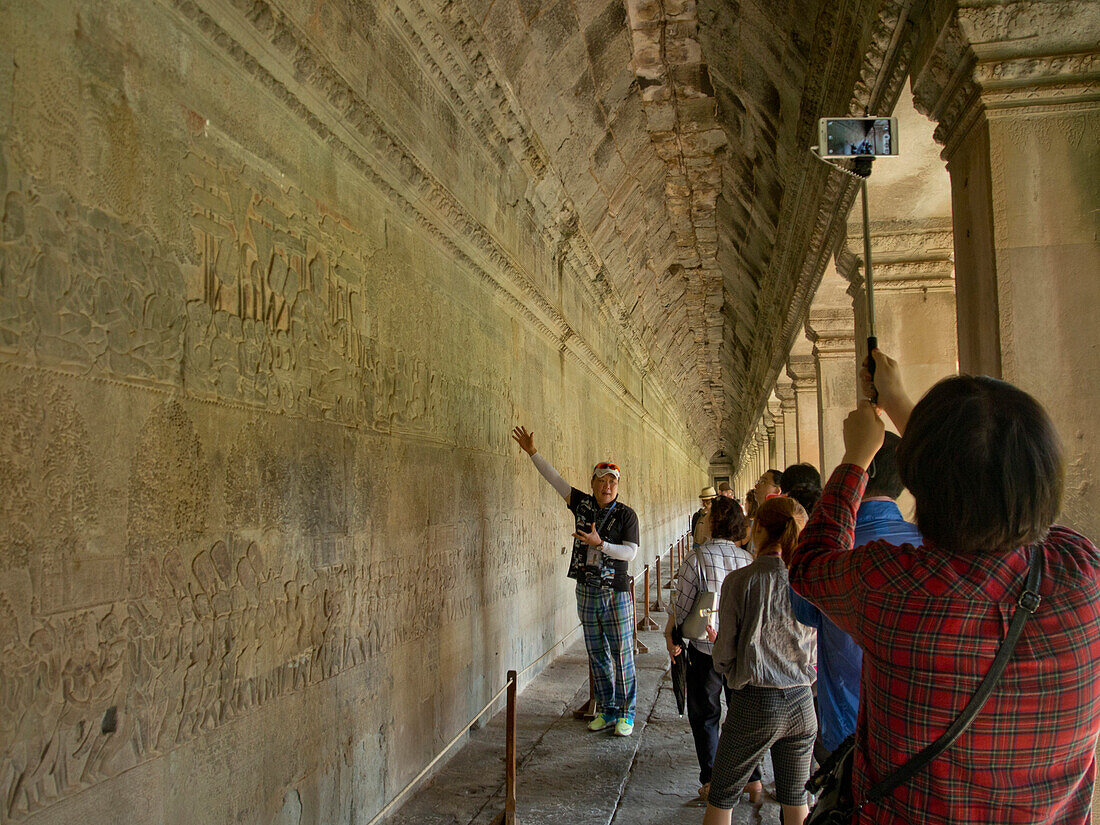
(605, 468)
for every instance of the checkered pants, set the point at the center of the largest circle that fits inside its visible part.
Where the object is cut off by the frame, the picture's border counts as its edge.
(760, 719)
(607, 618)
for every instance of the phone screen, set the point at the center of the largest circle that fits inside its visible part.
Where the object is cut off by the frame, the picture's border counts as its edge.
(847, 137)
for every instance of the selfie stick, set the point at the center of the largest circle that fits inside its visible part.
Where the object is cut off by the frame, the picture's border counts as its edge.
(863, 169)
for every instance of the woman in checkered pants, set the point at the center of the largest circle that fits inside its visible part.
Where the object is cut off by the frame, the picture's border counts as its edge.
(767, 659)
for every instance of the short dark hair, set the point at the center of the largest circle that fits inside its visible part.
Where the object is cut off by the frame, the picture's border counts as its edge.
(802, 482)
(727, 520)
(984, 463)
(777, 477)
(883, 478)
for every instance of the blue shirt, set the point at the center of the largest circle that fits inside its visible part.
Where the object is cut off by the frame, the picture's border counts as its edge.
(839, 659)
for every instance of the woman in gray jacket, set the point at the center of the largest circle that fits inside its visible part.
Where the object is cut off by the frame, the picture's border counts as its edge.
(767, 659)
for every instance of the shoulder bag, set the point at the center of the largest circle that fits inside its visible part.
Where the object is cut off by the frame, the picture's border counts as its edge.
(832, 781)
(694, 627)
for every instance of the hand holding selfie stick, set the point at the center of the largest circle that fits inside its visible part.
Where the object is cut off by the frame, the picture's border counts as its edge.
(862, 167)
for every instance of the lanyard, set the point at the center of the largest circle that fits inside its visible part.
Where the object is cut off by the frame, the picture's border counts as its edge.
(606, 517)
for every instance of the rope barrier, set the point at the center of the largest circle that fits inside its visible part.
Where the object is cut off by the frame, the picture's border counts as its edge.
(552, 648)
(389, 807)
(510, 687)
(439, 756)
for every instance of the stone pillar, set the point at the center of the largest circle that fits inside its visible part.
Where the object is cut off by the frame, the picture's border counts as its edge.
(784, 391)
(779, 461)
(803, 374)
(833, 335)
(914, 295)
(768, 425)
(1013, 88)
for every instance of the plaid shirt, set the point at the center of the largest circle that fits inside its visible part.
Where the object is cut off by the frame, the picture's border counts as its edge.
(930, 623)
(721, 557)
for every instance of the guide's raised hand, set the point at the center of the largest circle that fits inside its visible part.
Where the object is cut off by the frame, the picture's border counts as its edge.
(525, 439)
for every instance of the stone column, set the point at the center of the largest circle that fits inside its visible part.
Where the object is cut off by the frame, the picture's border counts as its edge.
(784, 391)
(914, 295)
(833, 335)
(775, 407)
(803, 374)
(769, 438)
(757, 455)
(1013, 88)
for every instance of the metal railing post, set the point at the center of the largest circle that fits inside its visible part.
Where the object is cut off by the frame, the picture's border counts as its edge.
(510, 753)
(657, 597)
(646, 623)
(639, 647)
(588, 709)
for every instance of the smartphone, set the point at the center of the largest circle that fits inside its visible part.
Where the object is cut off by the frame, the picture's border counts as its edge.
(853, 137)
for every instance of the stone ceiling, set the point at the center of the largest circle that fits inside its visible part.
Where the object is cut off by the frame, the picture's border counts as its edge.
(675, 137)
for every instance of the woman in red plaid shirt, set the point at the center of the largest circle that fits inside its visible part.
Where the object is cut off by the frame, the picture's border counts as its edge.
(984, 464)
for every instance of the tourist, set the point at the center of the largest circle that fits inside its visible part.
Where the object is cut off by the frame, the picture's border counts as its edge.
(768, 485)
(802, 482)
(839, 658)
(721, 555)
(698, 527)
(766, 658)
(604, 542)
(985, 467)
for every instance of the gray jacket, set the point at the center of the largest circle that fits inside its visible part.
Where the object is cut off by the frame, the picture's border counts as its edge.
(760, 642)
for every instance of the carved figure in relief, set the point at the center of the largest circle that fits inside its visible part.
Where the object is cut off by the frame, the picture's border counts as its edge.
(604, 542)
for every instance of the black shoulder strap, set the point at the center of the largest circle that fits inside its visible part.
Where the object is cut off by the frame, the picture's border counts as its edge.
(702, 569)
(1027, 604)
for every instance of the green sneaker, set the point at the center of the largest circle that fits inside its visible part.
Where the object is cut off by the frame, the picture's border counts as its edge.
(624, 726)
(601, 722)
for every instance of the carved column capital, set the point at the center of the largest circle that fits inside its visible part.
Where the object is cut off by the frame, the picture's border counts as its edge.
(802, 372)
(981, 59)
(785, 394)
(832, 332)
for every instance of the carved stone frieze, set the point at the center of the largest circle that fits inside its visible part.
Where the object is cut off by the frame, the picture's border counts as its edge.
(971, 66)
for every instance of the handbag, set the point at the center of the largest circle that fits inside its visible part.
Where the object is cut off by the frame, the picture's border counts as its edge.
(832, 781)
(694, 625)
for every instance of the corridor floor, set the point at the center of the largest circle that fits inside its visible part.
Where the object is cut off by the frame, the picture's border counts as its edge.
(568, 776)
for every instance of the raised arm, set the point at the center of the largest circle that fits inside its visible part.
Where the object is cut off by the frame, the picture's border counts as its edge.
(822, 569)
(526, 441)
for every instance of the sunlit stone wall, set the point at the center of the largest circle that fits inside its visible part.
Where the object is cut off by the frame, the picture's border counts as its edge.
(274, 286)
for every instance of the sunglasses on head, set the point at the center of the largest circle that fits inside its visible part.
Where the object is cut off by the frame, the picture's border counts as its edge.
(604, 465)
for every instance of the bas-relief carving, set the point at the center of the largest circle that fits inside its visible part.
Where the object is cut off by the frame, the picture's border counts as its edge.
(275, 310)
(216, 627)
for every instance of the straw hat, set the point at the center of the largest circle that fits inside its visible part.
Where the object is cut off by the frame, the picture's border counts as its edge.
(707, 493)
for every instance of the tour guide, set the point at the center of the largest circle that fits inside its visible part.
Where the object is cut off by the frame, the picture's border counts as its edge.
(605, 541)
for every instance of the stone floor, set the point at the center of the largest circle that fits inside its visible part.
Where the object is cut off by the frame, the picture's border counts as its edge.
(568, 776)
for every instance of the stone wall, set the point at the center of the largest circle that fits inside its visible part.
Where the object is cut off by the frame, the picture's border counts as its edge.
(272, 293)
